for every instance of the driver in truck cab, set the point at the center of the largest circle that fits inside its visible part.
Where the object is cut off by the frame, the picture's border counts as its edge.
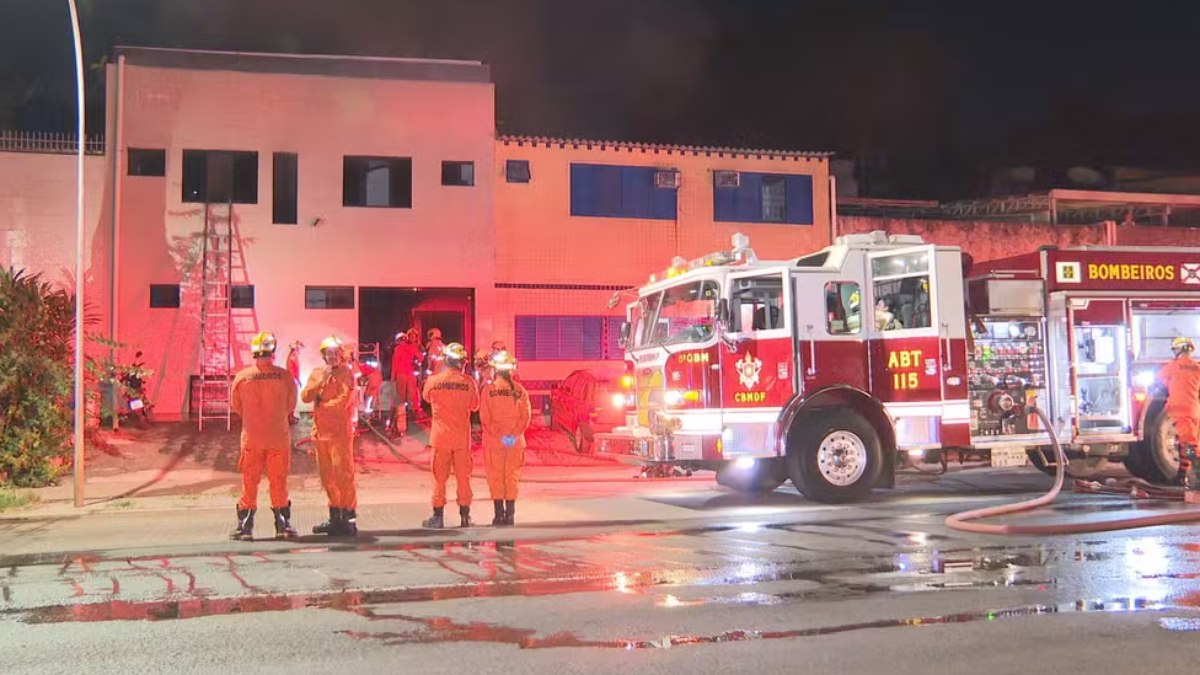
(1182, 379)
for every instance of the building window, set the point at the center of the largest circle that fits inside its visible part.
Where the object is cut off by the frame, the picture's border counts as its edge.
(147, 162)
(458, 173)
(619, 192)
(560, 338)
(328, 297)
(241, 296)
(164, 295)
(220, 176)
(377, 181)
(517, 170)
(284, 180)
(763, 198)
(843, 308)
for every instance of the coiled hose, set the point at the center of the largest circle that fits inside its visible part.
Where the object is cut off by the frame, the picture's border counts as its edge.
(966, 521)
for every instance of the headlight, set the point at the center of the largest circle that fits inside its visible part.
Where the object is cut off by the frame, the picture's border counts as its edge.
(618, 400)
(673, 397)
(1144, 378)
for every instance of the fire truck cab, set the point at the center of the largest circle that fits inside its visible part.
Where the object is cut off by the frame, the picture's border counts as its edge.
(833, 368)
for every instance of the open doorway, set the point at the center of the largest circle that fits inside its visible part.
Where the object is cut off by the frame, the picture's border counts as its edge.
(383, 312)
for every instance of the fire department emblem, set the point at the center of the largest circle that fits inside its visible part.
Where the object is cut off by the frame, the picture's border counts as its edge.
(1190, 273)
(1068, 272)
(748, 369)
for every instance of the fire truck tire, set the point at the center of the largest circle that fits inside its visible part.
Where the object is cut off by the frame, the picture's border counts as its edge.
(1155, 458)
(764, 478)
(834, 456)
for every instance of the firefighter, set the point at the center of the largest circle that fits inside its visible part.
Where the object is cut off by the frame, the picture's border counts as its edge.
(483, 367)
(453, 396)
(330, 389)
(1182, 379)
(293, 368)
(264, 396)
(504, 411)
(404, 358)
(435, 361)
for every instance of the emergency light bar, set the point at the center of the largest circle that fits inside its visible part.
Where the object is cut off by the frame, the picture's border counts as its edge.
(680, 265)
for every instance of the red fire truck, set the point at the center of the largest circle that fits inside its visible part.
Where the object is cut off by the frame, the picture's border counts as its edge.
(834, 368)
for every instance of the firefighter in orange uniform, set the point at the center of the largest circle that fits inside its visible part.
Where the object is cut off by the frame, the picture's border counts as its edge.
(264, 396)
(1182, 379)
(330, 389)
(404, 358)
(435, 349)
(453, 396)
(504, 412)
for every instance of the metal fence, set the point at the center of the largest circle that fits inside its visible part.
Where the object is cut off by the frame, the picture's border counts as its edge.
(47, 142)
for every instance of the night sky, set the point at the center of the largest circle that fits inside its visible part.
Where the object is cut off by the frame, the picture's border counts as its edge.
(934, 91)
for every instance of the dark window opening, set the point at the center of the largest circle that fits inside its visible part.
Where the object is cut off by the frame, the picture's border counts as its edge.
(774, 199)
(517, 170)
(220, 176)
(377, 181)
(328, 297)
(458, 173)
(147, 162)
(241, 296)
(284, 180)
(164, 295)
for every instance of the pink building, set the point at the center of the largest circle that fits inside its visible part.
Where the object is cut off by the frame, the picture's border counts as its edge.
(368, 195)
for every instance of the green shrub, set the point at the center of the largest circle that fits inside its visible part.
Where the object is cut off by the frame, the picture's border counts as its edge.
(36, 332)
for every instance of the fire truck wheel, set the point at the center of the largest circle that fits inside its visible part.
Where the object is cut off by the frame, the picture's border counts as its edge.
(764, 477)
(1155, 458)
(834, 456)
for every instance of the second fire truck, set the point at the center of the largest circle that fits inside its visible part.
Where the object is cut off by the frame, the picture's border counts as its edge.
(834, 368)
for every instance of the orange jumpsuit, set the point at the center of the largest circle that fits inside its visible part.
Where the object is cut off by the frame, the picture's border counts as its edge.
(453, 396)
(1182, 377)
(264, 397)
(333, 431)
(504, 411)
(403, 360)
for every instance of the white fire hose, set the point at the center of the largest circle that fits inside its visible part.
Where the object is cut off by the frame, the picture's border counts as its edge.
(965, 521)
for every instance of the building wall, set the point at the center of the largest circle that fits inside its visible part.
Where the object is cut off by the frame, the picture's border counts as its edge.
(445, 240)
(549, 262)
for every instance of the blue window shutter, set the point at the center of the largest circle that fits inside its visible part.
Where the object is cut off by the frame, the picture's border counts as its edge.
(749, 199)
(636, 185)
(526, 338)
(570, 338)
(664, 204)
(612, 339)
(592, 338)
(610, 191)
(800, 200)
(724, 203)
(546, 342)
(583, 190)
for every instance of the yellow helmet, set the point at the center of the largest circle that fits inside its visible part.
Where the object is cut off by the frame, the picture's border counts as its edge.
(455, 352)
(263, 344)
(331, 342)
(1182, 344)
(503, 361)
(435, 334)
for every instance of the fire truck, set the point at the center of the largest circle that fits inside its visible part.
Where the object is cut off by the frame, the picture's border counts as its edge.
(836, 368)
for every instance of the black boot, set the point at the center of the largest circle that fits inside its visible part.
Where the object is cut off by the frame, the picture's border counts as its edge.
(464, 516)
(283, 525)
(510, 509)
(349, 523)
(435, 522)
(332, 525)
(245, 525)
(498, 504)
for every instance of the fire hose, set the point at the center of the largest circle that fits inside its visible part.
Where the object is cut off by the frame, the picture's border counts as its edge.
(966, 521)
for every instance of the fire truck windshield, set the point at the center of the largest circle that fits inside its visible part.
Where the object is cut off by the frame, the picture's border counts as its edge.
(683, 313)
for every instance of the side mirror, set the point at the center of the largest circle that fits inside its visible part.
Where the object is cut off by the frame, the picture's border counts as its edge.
(623, 339)
(723, 314)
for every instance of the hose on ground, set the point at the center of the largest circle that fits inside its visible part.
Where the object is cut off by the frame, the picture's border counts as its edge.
(966, 521)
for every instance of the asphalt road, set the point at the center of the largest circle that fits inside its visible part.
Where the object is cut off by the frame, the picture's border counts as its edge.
(739, 585)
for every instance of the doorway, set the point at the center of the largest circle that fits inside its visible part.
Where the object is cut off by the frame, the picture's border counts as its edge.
(385, 311)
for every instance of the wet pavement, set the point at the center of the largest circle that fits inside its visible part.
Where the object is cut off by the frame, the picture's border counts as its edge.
(723, 583)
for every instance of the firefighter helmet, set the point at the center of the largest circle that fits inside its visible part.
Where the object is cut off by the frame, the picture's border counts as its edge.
(400, 337)
(503, 361)
(263, 344)
(1182, 345)
(499, 346)
(454, 353)
(331, 342)
(435, 334)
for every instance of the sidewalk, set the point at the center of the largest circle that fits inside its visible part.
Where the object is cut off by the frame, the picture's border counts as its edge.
(173, 485)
